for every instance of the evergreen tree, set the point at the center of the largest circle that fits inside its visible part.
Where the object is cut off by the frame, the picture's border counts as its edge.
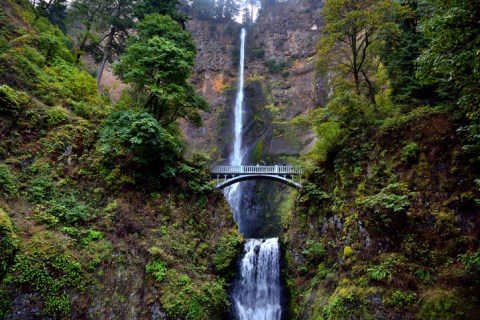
(246, 17)
(164, 7)
(53, 10)
(203, 9)
(87, 21)
(158, 63)
(399, 53)
(231, 9)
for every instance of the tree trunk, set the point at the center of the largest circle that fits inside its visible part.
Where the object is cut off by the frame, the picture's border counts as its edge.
(371, 90)
(106, 55)
(88, 27)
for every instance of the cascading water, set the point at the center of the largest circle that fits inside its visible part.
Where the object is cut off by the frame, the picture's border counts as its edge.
(256, 294)
(236, 157)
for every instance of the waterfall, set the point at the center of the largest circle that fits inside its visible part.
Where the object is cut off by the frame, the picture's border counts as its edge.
(256, 293)
(236, 157)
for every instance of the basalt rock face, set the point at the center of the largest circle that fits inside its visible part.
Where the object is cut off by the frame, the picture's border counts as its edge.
(280, 81)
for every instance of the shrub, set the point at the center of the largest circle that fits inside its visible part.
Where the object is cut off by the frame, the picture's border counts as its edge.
(11, 101)
(69, 209)
(314, 251)
(226, 253)
(330, 137)
(258, 52)
(56, 116)
(471, 261)
(41, 189)
(393, 198)
(8, 182)
(400, 299)
(88, 110)
(274, 66)
(8, 243)
(49, 269)
(392, 271)
(136, 137)
(410, 153)
(396, 125)
(157, 269)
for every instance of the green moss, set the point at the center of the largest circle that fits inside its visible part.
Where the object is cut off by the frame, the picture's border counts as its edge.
(257, 152)
(181, 297)
(46, 267)
(348, 252)
(347, 302)
(442, 304)
(226, 253)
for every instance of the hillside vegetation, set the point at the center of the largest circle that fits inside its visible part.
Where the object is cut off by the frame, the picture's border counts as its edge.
(100, 215)
(387, 224)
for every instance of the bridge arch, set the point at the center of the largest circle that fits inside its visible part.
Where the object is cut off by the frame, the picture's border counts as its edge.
(233, 174)
(235, 179)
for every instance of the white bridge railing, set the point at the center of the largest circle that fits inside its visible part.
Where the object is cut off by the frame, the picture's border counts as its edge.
(243, 170)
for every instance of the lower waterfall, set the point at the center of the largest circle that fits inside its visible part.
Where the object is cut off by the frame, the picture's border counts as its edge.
(257, 291)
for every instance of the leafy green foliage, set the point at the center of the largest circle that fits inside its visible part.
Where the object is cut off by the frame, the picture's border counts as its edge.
(471, 261)
(350, 31)
(11, 101)
(131, 137)
(392, 271)
(275, 67)
(314, 251)
(193, 300)
(393, 198)
(159, 62)
(157, 269)
(226, 254)
(8, 244)
(48, 269)
(56, 116)
(8, 182)
(345, 302)
(329, 140)
(400, 299)
(410, 153)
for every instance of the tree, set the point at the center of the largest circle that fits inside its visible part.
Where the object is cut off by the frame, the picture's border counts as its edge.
(203, 9)
(400, 52)
(231, 9)
(451, 61)
(158, 62)
(87, 16)
(163, 7)
(350, 31)
(246, 17)
(452, 58)
(53, 10)
(113, 42)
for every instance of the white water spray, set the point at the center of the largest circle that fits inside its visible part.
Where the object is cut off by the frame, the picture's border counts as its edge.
(257, 292)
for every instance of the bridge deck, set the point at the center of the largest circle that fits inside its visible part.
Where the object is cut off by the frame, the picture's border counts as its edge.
(257, 170)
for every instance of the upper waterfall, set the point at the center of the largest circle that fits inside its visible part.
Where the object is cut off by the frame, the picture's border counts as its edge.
(237, 155)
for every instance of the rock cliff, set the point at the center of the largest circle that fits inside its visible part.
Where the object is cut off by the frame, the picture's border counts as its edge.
(279, 73)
